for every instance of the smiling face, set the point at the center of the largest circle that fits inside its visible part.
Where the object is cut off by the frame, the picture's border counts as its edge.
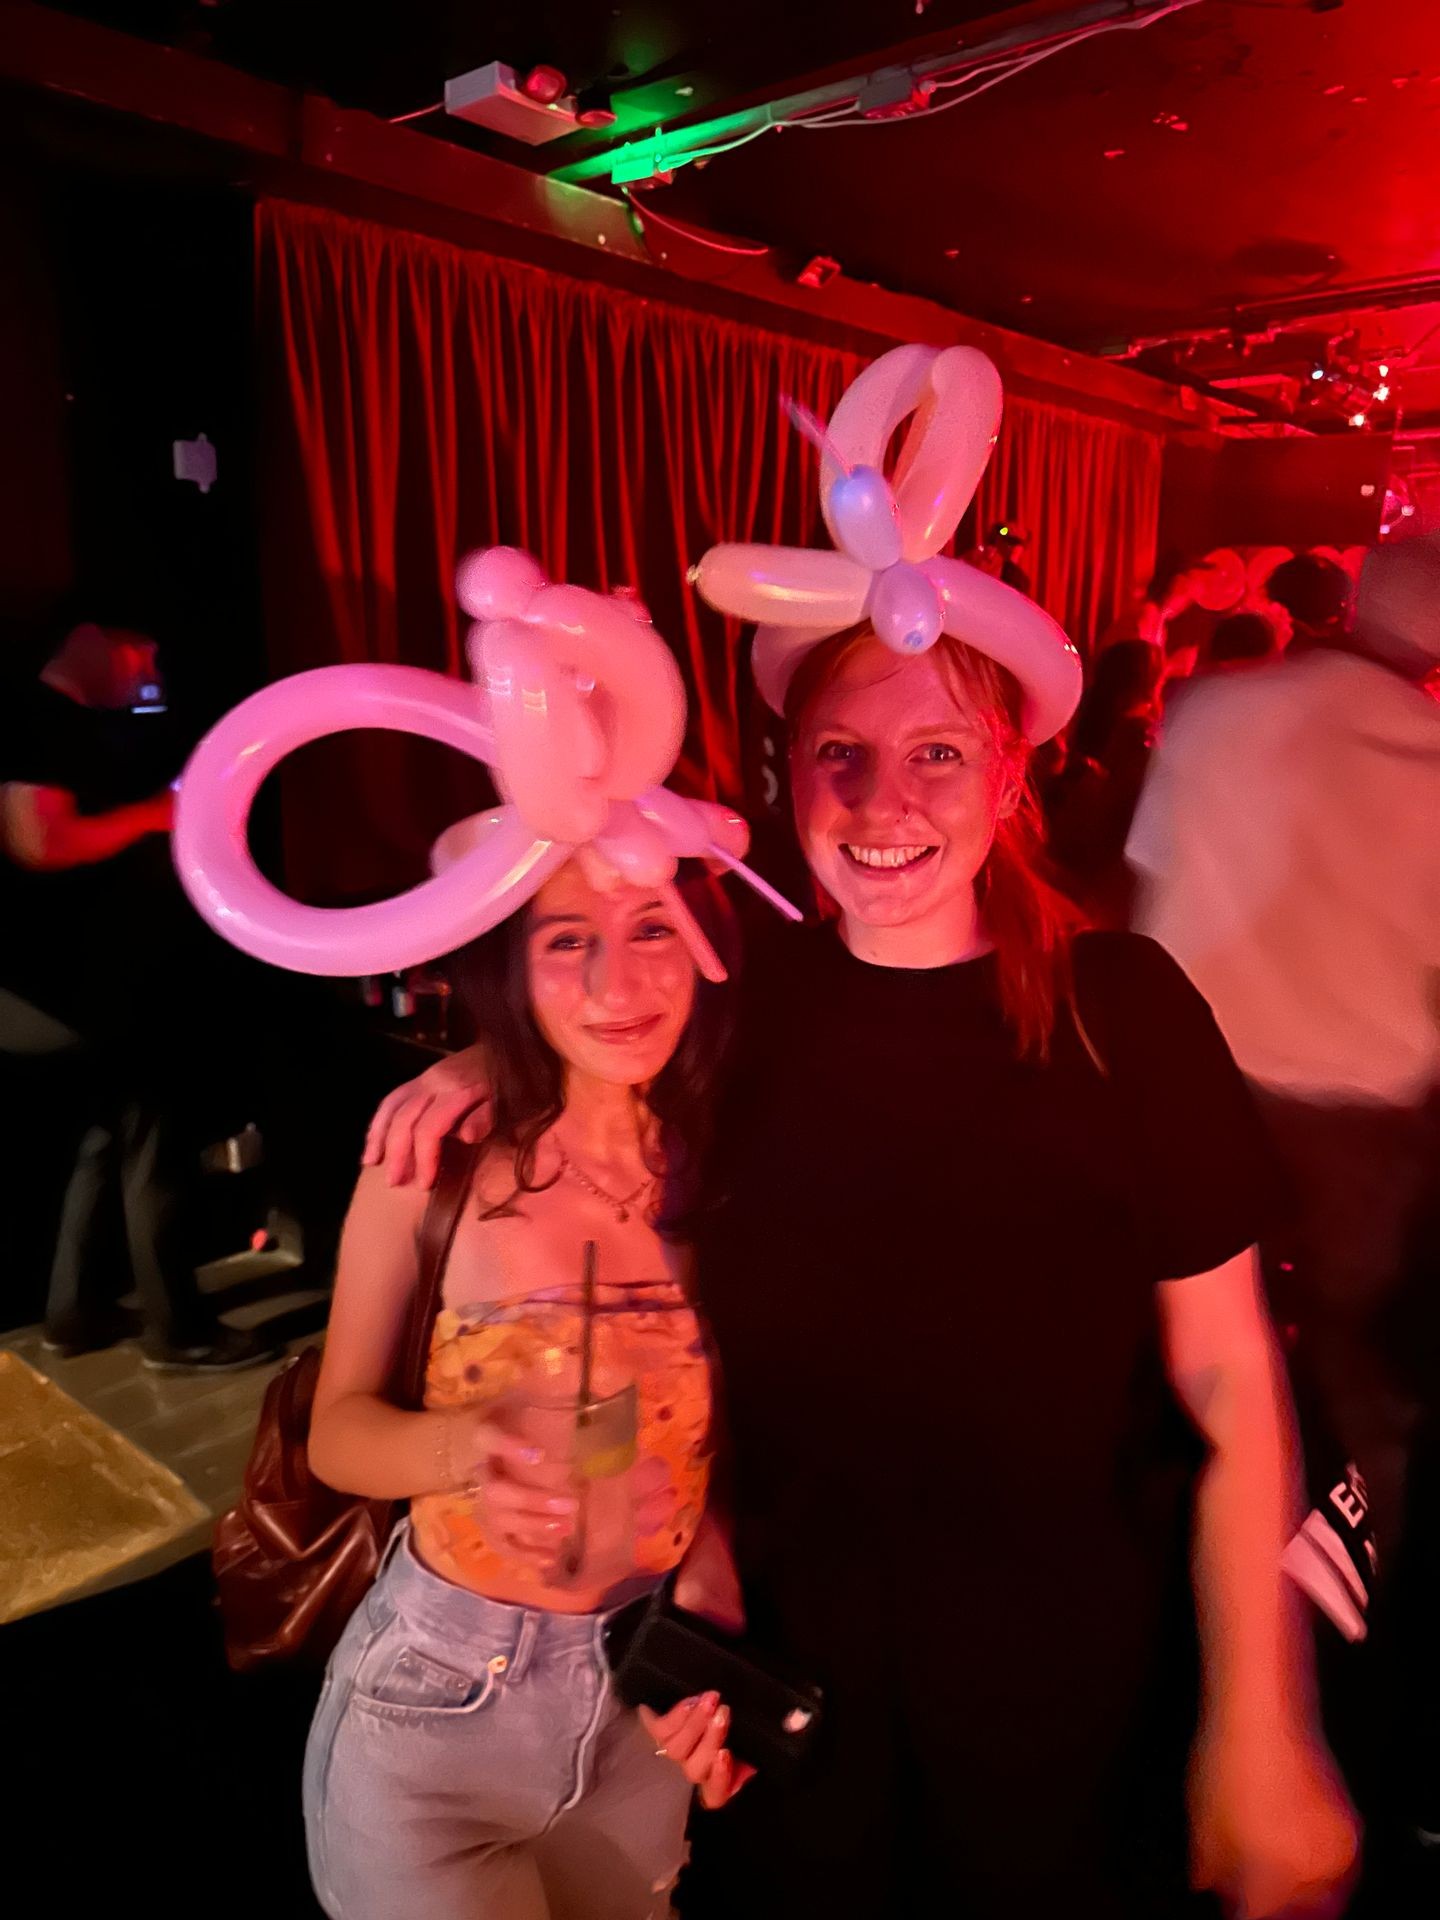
(611, 982)
(899, 781)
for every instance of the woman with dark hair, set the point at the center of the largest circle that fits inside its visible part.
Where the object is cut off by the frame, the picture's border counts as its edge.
(1124, 688)
(1005, 1415)
(1093, 802)
(469, 1757)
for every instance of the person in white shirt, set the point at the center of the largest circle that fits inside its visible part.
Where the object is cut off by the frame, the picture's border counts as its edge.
(1287, 846)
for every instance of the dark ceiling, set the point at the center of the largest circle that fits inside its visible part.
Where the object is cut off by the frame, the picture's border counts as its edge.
(1240, 166)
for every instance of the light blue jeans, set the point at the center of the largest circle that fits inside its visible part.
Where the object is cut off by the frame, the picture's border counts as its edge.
(469, 1761)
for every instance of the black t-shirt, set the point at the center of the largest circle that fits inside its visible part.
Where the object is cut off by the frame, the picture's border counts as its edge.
(962, 1480)
(82, 943)
(106, 759)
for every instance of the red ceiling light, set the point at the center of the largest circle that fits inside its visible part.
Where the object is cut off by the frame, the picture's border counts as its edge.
(545, 84)
(593, 108)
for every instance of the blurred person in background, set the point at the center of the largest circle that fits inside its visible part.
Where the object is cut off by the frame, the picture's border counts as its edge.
(95, 962)
(1289, 857)
(1091, 804)
(1244, 639)
(1318, 596)
(998, 555)
(1165, 614)
(1010, 542)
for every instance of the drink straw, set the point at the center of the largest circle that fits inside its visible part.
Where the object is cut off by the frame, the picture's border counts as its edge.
(587, 1330)
(575, 1552)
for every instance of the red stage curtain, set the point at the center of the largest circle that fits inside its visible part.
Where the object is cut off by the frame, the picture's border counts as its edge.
(420, 400)
(1087, 491)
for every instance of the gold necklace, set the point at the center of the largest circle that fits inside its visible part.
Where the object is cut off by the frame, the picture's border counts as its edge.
(620, 1207)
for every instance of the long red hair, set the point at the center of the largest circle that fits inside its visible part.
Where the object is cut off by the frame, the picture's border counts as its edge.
(1029, 923)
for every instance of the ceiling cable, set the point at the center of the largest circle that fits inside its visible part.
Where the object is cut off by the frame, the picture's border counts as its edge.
(686, 232)
(990, 74)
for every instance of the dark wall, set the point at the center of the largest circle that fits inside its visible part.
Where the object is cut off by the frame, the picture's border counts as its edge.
(156, 299)
(127, 326)
(36, 560)
(1301, 491)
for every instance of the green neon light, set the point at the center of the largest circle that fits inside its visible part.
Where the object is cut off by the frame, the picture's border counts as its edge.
(644, 159)
(662, 152)
(628, 159)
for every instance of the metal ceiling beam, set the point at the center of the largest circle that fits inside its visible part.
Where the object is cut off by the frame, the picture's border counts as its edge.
(1360, 296)
(301, 145)
(650, 100)
(931, 58)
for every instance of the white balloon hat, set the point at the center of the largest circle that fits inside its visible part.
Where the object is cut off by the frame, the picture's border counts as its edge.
(887, 567)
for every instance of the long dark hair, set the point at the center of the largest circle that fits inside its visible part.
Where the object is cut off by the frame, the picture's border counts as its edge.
(527, 1076)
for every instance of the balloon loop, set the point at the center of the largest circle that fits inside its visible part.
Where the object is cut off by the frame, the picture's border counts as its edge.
(579, 711)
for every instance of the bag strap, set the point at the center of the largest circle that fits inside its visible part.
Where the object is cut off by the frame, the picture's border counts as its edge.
(437, 1236)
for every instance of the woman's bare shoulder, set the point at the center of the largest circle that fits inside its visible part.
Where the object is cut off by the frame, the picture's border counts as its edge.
(384, 1216)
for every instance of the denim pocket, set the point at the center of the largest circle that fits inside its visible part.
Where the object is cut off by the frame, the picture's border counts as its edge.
(411, 1683)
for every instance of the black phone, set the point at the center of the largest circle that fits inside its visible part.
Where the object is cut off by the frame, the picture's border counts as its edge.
(660, 1655)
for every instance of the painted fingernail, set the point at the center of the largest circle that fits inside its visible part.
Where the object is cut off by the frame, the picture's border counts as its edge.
(560, 1505)
(710, 1701)
(721, 1717)
(530, 1456)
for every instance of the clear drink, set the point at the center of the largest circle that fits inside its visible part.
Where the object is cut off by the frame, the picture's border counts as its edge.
(595, 1444)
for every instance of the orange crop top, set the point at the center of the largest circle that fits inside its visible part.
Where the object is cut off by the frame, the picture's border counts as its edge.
(645, 1489)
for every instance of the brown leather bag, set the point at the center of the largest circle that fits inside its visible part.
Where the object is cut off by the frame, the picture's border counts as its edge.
(294, 1558)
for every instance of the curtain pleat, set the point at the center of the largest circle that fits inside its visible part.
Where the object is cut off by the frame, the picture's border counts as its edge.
(1087, 492)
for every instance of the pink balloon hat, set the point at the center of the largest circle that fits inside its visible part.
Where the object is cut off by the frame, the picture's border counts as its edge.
(579, 710)
(886, 567)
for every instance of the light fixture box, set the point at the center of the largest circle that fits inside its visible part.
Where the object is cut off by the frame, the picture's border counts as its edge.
(492, 97)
